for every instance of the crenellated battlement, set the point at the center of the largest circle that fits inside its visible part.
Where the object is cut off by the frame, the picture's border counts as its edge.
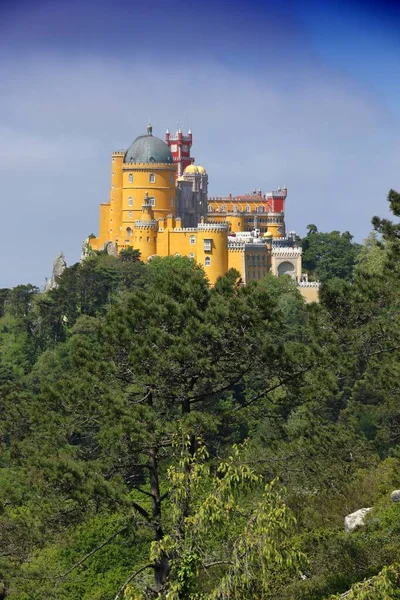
(186, 229)
(289, 252)
(309, 284)
(145, 224)
(147, 166)
(224, 226)
(236, 245)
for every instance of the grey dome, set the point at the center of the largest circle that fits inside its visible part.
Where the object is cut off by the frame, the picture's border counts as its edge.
(148, 149)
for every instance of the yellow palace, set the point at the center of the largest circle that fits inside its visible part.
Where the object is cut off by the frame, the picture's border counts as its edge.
(160, 214)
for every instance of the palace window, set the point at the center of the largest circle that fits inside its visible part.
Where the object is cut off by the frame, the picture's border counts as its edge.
(223, 208)
(130, 201)
(130, 214)
(192, 239)
(130, 178)
(207, 261)
(247, 208)
(191, 254)
(152, 178)
(151, 201)
(207, 245)
(129, 230)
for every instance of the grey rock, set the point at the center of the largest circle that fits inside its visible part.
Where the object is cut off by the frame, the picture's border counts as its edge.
(355, 519)
(395, 496)
(59, 266)
(86, 250)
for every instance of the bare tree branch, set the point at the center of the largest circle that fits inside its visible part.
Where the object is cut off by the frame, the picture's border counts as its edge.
(141, 510)
(130, 578)
(217, 563)
(82, 560)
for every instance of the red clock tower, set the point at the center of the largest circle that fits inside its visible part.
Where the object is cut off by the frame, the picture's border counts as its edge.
(180, 146)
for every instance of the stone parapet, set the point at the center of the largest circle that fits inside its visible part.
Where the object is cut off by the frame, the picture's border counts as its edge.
(309, 284)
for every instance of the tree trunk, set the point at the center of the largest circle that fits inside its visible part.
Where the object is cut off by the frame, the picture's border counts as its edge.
(161, 567)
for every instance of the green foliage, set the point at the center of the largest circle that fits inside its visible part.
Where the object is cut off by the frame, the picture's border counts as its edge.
(329, 255)
(109, 382)
(254, 555)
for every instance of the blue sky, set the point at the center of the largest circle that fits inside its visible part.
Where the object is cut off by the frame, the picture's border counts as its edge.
(303, 94)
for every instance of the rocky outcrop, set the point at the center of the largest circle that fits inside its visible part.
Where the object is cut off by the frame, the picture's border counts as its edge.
(59, 266)
(356, 519)
(395, 496)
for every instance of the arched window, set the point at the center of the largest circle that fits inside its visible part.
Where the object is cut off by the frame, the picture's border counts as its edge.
(130, 214)
(192, 240)
(209, 207)
(129, 231)
(247, 208)
(130, 201)
(286, 268)
(191, 254)
(152, 178)
(207, 261)
(223, 208)
(130, 178)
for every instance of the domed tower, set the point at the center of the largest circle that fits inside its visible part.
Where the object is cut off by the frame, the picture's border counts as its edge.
(147, 166)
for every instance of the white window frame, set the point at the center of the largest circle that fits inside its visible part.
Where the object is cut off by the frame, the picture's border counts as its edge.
(152, 178)
(130, 178)
(130, 201)
(192, 240)
(207, 261)
(129, 231)
(207, 245)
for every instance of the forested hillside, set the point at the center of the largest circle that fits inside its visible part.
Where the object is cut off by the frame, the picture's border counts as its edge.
(163, 439)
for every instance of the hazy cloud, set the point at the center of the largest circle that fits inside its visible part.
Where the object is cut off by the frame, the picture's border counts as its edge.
(332, 141)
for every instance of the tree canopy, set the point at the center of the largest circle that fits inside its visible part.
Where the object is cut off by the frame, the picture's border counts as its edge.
(161, 439)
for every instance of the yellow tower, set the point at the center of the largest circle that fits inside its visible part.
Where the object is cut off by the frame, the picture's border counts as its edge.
(212, 253)
(145, 231)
